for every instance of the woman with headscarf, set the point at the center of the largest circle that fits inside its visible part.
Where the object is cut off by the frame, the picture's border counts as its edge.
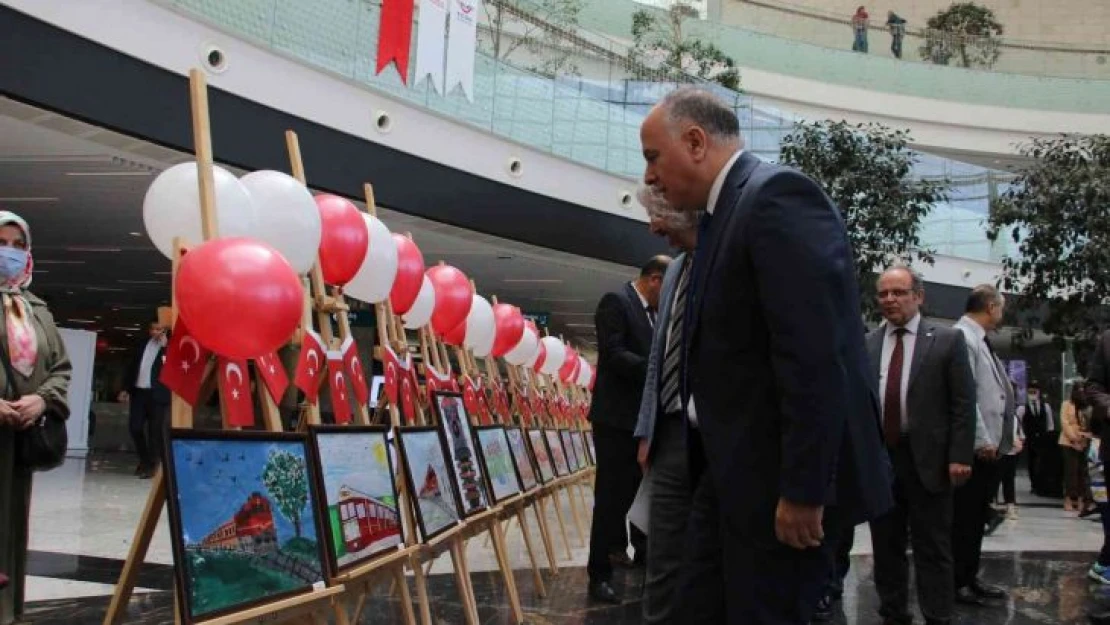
(34, 353)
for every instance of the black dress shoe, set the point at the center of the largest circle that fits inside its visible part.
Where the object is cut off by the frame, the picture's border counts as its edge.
(987, 591)
(824, 612)
(966, 596)
(602, 591)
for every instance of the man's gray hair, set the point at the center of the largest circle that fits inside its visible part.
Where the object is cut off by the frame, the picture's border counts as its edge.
(917, 283)
(658, 207)
(709, 112)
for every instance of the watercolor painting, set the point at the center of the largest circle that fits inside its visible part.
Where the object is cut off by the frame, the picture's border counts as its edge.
(521, 459)
(543, 458)
(558, 455)
(454, 424)
(497, 460)
(429, 479)
(357, 487)
(243, 519)
(573, 461)
(580, 448)
(590, 447)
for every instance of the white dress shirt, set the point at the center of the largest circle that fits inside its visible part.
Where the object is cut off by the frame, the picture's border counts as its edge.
(909, 341)
(710, 207)
(146, 365)
(644, 303)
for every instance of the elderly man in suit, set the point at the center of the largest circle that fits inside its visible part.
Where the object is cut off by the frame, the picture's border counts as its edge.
(783, 427)
(624, 319)
(924, 378)
(660, 428)
(994, 437)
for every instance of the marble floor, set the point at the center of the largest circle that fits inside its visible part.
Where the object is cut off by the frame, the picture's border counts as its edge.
(84, 515)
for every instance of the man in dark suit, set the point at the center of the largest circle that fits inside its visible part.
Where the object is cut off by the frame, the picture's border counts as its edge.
(928, 392)
(784, 441)
(149, 399)
(1042, 428)
(624, 321)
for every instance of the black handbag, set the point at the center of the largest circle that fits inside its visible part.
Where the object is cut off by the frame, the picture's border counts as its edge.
(41, 447)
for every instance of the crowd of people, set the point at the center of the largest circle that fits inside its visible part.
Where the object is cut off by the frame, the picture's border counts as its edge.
(768, 422)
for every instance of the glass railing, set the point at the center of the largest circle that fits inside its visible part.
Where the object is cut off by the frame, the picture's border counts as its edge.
(587, 110)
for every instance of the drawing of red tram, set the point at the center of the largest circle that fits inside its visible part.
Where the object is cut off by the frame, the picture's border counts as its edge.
(365, 520)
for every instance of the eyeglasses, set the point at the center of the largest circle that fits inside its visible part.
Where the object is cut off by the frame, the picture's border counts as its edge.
(898, 293)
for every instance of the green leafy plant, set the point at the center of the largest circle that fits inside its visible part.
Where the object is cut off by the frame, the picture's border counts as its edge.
(661, 50)
(966, 32)
(866, 170)
(1057, 211)
(284, 478)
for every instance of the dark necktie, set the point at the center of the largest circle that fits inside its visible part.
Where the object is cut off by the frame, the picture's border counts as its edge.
(672, 355)
(892, 398)
(698, 257)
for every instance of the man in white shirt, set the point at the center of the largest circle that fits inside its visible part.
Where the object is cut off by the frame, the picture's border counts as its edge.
(149, 399)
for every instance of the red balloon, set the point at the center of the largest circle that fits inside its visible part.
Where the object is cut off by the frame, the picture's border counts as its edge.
(510, 328)
(570, 365)
(454, 295)
(457, 335)
(344, 239)
(541, 357)
(410, 275)
(239, 297)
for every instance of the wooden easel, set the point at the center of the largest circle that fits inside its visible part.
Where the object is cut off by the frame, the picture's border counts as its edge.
(311, 604)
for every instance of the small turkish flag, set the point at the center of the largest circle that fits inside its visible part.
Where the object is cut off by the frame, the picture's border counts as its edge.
(434, 381)
(310, 366)
(355, 373)
(337, 382)
(235, 391)
(393, 372)
(273, 374)
(501, 402)
(470, 396)
(183, 368)
(484, 413)
(408, 393)
(537, 405)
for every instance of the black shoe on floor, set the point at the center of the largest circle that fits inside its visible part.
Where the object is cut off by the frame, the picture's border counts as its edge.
(966, 596)
(986, 591)
(824, 612)
(603, 592)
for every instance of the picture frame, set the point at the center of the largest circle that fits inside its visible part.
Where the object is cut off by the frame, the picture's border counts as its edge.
(558, 454)
(580, 448)
(573, 461)
(358, 493)
(377, 389)
(538, 443)
(522, 458)
(589, 436)
(429, 480)
(497, 461)
(458, 442)
(244, 520)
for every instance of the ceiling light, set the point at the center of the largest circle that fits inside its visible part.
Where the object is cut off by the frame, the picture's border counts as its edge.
(534, 280)
(561, 301)
(28, 199)
(93, 249)
(579, 325)
(103, 288)
(107, 173)
(570, 314)
(126, 329)
(135, 234)
(80, 321)
(58, 262)
(141, 281)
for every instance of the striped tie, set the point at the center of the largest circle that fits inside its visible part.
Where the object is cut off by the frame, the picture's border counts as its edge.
(672, 358)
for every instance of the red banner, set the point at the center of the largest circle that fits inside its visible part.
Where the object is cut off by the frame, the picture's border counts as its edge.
(395, 36)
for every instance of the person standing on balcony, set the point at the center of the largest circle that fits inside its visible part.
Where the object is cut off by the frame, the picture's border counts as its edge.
(897, 27)
(860, 21)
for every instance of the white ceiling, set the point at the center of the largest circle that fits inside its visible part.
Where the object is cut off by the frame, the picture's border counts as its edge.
(81, 188)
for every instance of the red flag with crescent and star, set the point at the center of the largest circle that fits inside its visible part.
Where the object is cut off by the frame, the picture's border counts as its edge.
(485, 415)
(434, 381)
(310, 366)
(355, 373)
(184, 364)
(538, 409)
(470, 395)
(393, 372)
(501, 401)
(409, 389)
(235, 392)
(337, 383)
(273, 374)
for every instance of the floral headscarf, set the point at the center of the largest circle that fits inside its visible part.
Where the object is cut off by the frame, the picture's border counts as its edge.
(22, 339)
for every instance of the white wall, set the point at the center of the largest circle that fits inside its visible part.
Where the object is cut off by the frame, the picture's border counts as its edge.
(81, 347)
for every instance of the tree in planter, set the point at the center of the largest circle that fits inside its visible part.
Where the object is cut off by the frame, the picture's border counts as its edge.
(865, 169)
(534, 26)
(964, 31)
(661, 39)
(1058, 213)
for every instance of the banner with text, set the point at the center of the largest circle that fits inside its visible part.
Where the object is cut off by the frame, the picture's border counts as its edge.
(462, 43)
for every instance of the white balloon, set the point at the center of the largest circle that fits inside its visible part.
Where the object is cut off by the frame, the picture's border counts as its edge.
(374, 279)
(287, 216)
(583, 372)
(171, 207)
(535, 357)
(480, 327)
(525, 350)
(421, 312)
(556, 355)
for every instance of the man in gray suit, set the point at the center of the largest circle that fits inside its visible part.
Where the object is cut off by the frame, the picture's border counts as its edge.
(662, 450)
(928, 398)
(994, 428)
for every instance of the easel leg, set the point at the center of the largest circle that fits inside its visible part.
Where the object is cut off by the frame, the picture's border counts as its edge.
(587, 512)
(576, 514)
(421, 591)
(407, 615)
(545, 535)
(340, 606)
(562, 523)
(537, 579)
(140, 544)
(462, 581)
(502, 553)
(469, 580)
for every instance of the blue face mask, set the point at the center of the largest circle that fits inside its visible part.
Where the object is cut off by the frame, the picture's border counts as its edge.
(12, 262)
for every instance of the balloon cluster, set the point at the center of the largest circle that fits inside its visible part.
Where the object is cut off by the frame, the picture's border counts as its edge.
(271, 232)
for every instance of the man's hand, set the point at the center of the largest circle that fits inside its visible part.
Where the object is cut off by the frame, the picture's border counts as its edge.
(987, 453)
(1019, 444)
(958, 473)
(799, 525)
(642, 454)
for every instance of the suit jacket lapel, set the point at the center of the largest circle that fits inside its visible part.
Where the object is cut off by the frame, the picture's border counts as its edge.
(639, 313)
(924, 341)
(875, 351)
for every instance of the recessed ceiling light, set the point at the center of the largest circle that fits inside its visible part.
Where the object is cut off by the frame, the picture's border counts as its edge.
(126, 329)
(579, 325)
(103, 288)
(135, 234)
(28, 199)
(141, 281)
(80, 321)
(108, 173)
(46, 261)
(92, 249)
(533, 280)
(553, 299)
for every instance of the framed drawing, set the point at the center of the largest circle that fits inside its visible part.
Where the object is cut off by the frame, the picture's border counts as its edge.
(497, 460)
(243, 520)
(454, 425)
(589, 435)
(429, 480)
(525, 470)
(558, 454)
(573, 460)
(358, 493)
(543, 457)
(580, 448)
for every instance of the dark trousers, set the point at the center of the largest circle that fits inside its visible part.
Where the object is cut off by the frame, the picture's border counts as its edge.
(735, 575)
(147, 423)
(896, 47)
(1007, 469)
(1046, 465)
(1104, 555)
(924, 519)
(671, 495)
(972, 510)
(841, 560)
(615, 485)
(1075, 474)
